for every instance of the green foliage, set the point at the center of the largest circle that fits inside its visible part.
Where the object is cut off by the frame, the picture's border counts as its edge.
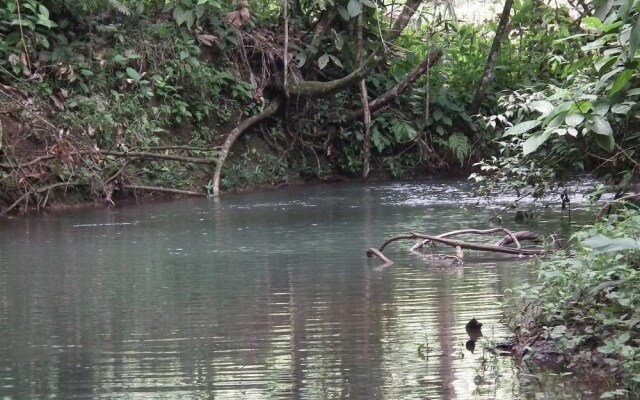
(588, 303)
(252, 169)
(25, 27)
(150, 88)
(592, 111)
(190, 12)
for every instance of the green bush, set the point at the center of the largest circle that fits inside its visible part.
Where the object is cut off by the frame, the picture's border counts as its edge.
(586, 303)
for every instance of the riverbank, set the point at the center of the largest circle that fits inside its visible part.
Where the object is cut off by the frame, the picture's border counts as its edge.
(581, 314)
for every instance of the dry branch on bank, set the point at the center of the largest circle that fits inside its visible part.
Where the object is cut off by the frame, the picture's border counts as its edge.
(163, 190)
(119, 154)
(501, 247)
(25, 197)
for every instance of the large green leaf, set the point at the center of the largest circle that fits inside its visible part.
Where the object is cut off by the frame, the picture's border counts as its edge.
(599, 125)
(621, 83)
(336, 61)
(543, 107)
(354, 8)
(573, 119)
(119, 59)
(603, 244)
(323, 61)
(522, 127)
(606, 143)
(133, 74)
(593, 23)
(534, 141)
(180, 15)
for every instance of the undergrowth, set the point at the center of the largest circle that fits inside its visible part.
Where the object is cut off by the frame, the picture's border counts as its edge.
(586, 305)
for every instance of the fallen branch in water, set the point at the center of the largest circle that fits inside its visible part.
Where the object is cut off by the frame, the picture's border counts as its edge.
(161, 189)
(463, 232)
(375, 252)
(510, 237)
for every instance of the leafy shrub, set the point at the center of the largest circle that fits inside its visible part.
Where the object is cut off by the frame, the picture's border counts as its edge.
(586, 302)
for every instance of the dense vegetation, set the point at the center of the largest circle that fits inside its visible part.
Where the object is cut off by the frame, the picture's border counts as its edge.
(583, 309)
(101, 98)
(104, 98)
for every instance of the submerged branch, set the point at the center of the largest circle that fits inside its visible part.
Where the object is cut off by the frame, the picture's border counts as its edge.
(510, 237)
(375, 252)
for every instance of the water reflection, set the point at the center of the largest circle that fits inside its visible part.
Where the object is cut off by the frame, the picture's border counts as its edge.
(259, 296)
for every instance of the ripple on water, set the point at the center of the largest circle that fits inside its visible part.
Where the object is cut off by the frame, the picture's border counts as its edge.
(261, 296)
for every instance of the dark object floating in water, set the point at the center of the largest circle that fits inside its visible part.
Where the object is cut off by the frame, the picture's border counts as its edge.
(470, 345)
(474, 331)
(473, 324)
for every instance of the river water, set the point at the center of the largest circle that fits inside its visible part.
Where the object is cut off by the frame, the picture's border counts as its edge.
(260, 296)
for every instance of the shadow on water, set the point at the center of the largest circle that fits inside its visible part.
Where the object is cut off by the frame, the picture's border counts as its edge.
(264, 296)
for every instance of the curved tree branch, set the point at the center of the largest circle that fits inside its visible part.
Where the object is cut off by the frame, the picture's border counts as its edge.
(430, 60)
(268, 111)
(320, 88)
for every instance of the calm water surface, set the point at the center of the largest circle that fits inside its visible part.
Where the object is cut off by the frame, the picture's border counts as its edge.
(258, 296)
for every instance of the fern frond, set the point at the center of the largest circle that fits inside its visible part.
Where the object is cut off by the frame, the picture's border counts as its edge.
(122, 9)
(459, 144)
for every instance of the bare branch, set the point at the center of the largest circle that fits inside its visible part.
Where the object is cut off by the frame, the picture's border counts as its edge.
(26, 195)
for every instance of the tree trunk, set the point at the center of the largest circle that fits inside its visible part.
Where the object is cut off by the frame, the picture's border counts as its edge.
(489, 70)
(366, 114)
